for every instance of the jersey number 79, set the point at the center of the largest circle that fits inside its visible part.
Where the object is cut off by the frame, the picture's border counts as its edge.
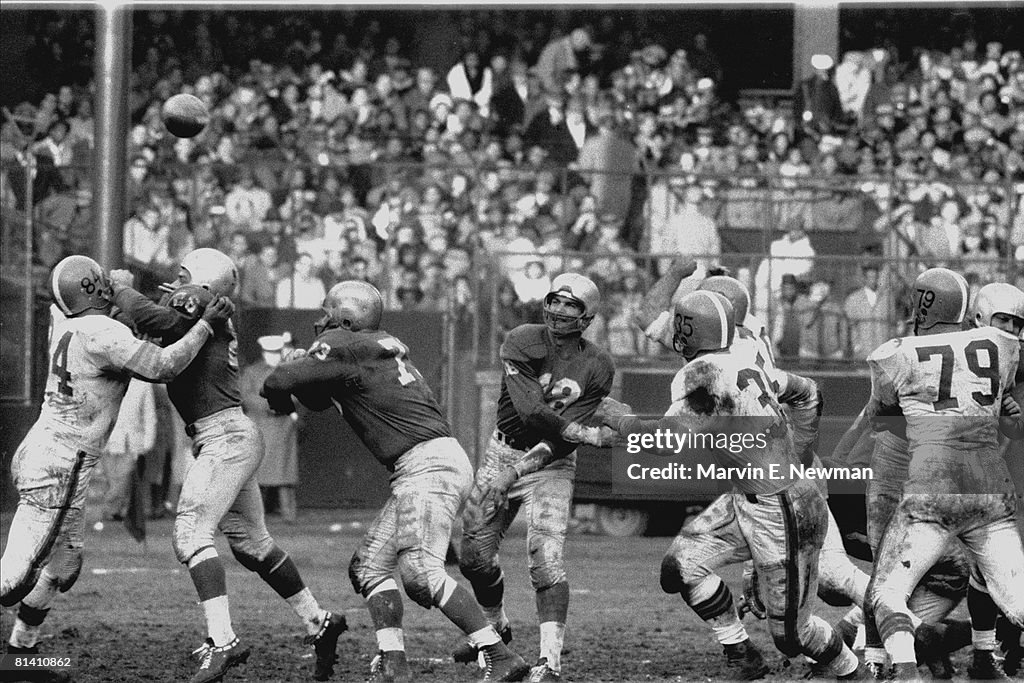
(946, 400)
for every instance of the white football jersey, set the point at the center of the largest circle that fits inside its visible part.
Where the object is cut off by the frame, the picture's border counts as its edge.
(87, 378)
(949, 386)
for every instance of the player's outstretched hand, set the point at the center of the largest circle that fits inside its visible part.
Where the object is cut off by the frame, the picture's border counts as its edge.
(219, 310)
(494, 493)
(685, 266)
(121, 277)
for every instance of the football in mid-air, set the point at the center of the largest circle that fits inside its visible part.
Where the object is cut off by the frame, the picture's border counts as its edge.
(185, 116)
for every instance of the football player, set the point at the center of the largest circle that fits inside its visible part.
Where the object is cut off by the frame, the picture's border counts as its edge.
(220, 488)
(840, 581)
(950, 385)
(553, 382)
(368, 375)
(91, 359)
(778, 522)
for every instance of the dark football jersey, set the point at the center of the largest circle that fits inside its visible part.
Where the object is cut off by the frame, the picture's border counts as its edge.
(368, 376)
(210, 383)
(542, 392)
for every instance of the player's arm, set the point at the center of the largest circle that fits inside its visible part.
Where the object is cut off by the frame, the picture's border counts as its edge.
(653, 315)
(677, 422)
(312, 379)
(155, 364)
(147, 317)
(1011, 422)
(802, 396)
(861, 424)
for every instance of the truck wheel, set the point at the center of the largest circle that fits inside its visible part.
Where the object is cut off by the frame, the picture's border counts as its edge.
(621, 521)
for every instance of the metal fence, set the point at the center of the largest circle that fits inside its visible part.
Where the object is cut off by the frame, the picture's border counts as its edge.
(899, 224)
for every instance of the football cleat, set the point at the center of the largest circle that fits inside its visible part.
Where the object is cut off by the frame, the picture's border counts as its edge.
(745, 661)
(542, 673)
(985, 667)
(467, 652)
(325, 643)
(858, 674)
(877, 671)
(217, 660)
(905, 671)
(389, 667)
(929, 644)
(501, 664)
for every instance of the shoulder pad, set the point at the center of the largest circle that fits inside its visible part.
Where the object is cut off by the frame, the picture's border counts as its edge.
(526, 342)
(886, 350)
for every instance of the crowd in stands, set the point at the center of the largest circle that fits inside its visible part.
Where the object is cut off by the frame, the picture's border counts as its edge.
(330, 155)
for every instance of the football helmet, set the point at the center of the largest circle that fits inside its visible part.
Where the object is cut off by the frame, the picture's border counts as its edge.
(211, 269)
(703, 321)
(733, 290)
(940, 296)
(78, 284)
(997, 297)
(579, 289)
(352, 305)
(191, 300)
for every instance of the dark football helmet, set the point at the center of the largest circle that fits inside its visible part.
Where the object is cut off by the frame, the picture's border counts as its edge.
(704, 321)
(352, 305)
(940, 296)
(733, 290)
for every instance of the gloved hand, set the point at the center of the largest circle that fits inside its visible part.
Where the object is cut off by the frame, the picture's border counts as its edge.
(750, 601)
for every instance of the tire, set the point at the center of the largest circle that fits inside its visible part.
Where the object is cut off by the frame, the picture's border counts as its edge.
(621, 521)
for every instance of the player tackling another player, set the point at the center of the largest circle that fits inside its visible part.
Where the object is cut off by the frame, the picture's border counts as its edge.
(220, 490)
(91, 359)
(367, 374)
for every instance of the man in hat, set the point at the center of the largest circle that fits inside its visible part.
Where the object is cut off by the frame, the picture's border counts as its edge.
(816, 103)
(278, 473)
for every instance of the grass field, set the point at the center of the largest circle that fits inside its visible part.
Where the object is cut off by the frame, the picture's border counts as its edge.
(133, 615)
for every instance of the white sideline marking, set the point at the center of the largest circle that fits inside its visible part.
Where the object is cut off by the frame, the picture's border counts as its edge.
(101, 571)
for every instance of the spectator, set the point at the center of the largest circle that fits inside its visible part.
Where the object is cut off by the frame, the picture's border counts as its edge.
(853, 80)
(278, 473)
(562, 56)
(678, 226)
(532, 284)
(469, 80)
(703, 60)
(259, 285)
(823, 325)
(608, 161)
(516, 100)
(145, 238)
(549, 131)
(791, 254)
(816, 104)
(247, 203)
(786, 320)
(868, 311)
(303, 289)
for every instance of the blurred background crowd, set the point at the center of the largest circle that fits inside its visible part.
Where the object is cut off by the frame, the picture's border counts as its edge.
(547, 146)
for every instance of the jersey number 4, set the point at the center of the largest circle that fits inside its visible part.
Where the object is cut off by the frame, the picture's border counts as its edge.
(59, 367)
(946, 400)
(405, 376)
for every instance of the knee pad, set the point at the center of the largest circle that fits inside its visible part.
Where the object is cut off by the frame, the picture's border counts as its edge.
(363, 576)
(422, 583)
(672, 576)
(546, 567)
(262, 565)
(478, 572)
(832, 595)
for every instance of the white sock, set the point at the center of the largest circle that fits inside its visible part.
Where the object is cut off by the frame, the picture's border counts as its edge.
(552, 635)
(484, 637)
(305, 605)
(728, 629)
(875, 655)
(23, 635)
(496, 615)
(983, 640)
(390, 639)
(845, 663)
(900, 646)
(218, 620)
(860, 639)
